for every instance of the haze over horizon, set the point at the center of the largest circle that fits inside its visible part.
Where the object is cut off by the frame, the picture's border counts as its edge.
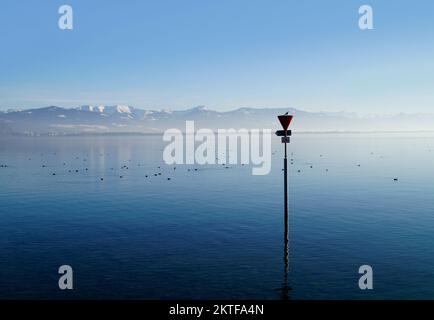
(224, 54)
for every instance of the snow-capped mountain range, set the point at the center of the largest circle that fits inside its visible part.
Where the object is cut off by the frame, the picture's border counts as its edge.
(126, 119)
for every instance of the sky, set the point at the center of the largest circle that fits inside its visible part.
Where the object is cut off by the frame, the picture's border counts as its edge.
(224, 54)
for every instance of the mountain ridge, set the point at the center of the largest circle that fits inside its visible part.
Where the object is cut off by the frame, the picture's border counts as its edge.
(100, 119)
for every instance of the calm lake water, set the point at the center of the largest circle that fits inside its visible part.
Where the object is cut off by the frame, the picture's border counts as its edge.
(217, 232)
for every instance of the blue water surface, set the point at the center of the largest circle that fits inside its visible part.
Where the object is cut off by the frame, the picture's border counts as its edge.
(217, 232)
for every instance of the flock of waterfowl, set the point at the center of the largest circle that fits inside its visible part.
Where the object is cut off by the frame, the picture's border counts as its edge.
(122, 168)
(159, 171)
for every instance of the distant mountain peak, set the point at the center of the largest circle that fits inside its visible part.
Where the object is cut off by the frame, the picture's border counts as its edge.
(90, 108)
(123, 109)
(201, 108)
(14, 110)
(106, 109)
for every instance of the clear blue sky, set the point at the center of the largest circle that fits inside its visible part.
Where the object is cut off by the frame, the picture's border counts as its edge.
(220, 53)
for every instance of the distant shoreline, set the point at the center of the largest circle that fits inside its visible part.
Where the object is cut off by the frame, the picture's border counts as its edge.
(114, 134)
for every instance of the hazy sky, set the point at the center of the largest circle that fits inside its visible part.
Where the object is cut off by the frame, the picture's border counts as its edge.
(220, 53)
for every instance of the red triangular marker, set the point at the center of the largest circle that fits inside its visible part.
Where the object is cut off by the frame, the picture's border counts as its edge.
(285, 120)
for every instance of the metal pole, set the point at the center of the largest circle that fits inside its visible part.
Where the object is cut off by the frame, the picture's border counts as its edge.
(285, 169)
(286, 235)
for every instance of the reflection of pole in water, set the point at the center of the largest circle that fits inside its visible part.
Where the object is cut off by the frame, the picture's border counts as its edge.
(285, 285)
(285, 120)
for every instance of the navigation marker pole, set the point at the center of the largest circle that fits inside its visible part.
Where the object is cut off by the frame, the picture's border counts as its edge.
(285, 121)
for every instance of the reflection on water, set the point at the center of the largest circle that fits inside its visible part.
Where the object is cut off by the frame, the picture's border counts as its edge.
(285, 286)
(105, 206)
